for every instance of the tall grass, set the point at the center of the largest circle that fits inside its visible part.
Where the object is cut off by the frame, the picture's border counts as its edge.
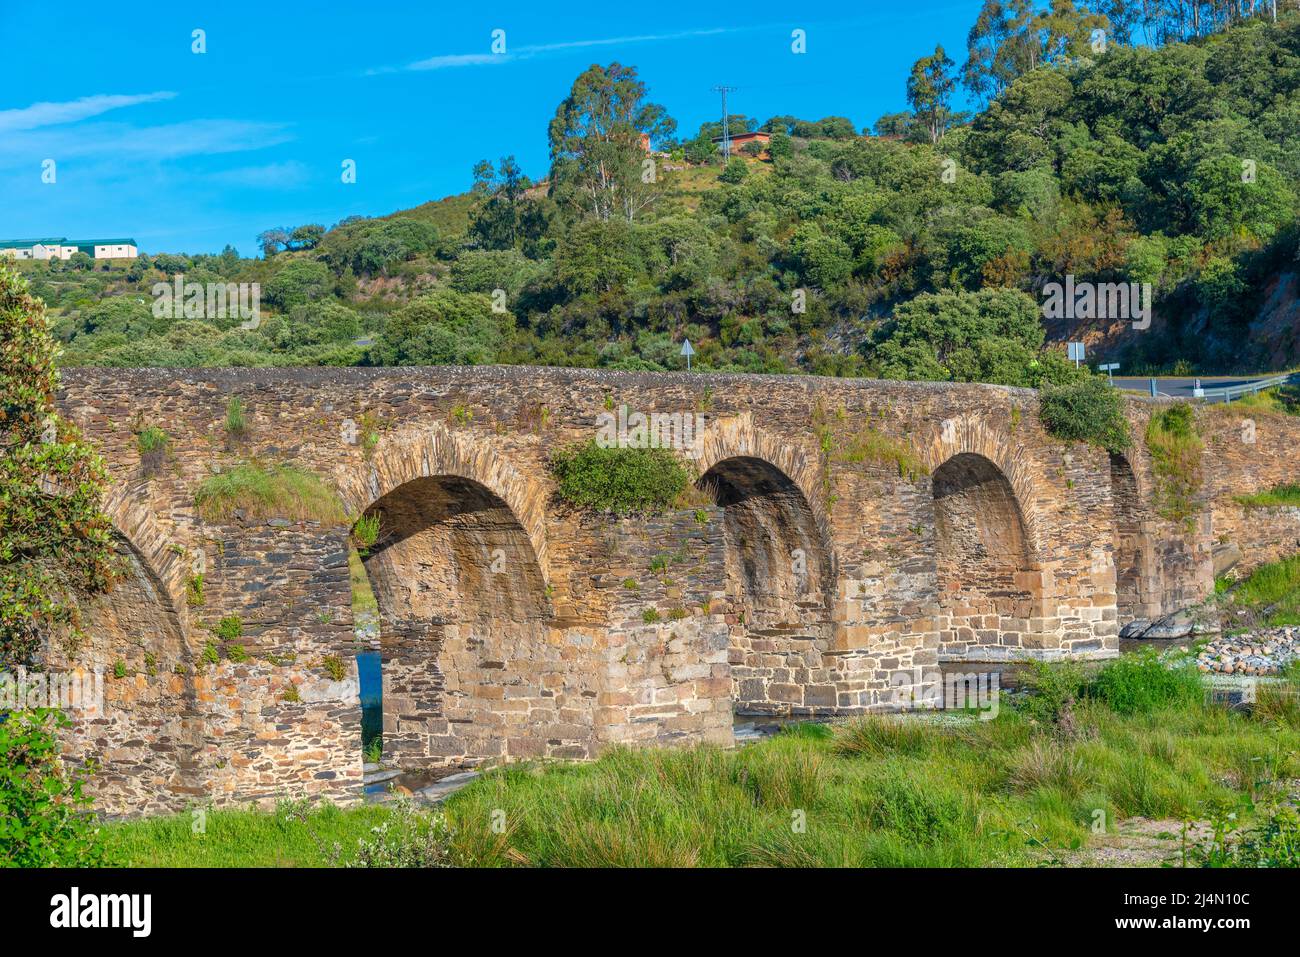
(1271, 593)
(152, 439)
(366, 532)
(1175, 451)
(236, 420)
(1284, 399)
(274, 491)
(1278, 495)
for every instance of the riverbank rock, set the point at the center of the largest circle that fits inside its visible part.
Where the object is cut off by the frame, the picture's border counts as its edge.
(1264, 651)
(1178, 625)
(1225, 556)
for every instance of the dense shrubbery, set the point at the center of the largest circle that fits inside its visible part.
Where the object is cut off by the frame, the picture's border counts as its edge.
(1088, 410)
(919, 253)
(445, 328)
(993, 335)
(619, 480)
(44, 817)
(52, 546)
(1137, 683)
(1142, 683)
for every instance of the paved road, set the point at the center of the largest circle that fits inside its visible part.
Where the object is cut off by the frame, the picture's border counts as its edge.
(1181, 387)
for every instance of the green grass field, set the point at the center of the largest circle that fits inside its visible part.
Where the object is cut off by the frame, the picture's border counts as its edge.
(1269, 596)
(936, 791)
(240, 838)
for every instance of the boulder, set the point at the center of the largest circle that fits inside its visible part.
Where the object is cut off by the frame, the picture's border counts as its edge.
(1225, 556)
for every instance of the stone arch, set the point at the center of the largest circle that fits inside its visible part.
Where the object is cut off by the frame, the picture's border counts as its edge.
(459, 574)
(411, 453)
(780, 569)
(1131, 548)
(166, 565)
(145, 733)
(736, 437)
(971, 434)
(989, 584)
(451, 549)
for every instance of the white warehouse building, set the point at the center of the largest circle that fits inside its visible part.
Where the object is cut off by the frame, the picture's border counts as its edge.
(59, 247)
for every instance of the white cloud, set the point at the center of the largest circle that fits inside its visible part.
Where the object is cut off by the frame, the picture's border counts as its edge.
(115, 141)
(268, 176)
(457, 59)
(453, 60)
(51, 114)
(644, 38)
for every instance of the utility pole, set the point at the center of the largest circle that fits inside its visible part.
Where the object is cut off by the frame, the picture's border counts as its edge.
(726, 126)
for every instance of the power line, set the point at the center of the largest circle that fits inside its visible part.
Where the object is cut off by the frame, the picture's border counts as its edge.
(726, 90)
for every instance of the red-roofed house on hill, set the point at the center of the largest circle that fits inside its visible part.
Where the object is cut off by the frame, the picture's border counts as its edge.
(740, 140)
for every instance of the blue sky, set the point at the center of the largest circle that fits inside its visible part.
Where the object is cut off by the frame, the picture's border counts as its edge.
(188, 152)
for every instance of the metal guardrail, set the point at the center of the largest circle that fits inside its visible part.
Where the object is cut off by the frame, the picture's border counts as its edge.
(1228, 393)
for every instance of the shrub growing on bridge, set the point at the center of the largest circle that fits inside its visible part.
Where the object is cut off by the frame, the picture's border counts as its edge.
(1085, 411)
(619, 480)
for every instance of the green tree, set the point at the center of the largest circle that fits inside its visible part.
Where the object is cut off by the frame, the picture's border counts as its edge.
(1012, 38)
(735, 171)
(929, 93)
(824, 260)
(55, 543)
(1019, 131)
(598, 256)
(993, 335)
(273, 240)
(306, 237)
(897, 125)
(298, 282)
(442, 328)
(504, 216)
(371, 246)
(997, 50)
(597, 159)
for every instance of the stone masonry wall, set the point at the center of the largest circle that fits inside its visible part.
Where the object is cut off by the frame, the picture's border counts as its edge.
(846, 532)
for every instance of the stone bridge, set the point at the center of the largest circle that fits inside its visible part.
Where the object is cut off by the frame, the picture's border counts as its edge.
(844, 536)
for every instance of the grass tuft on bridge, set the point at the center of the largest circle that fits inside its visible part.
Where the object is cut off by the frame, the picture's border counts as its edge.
(1278, 495)
(268, 491)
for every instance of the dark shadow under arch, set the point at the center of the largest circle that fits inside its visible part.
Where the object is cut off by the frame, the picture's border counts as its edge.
(464, 609)
(1127, 519)
(474, 559)
(984, 558)
(780, 578)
